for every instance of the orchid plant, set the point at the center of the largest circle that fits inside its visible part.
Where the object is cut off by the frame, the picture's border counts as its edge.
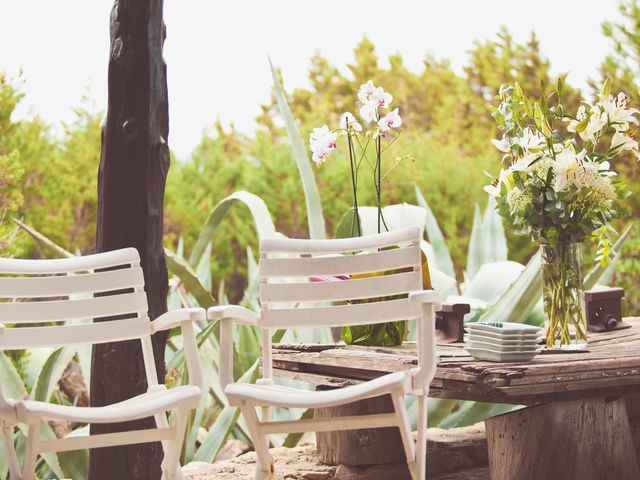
(373, 101)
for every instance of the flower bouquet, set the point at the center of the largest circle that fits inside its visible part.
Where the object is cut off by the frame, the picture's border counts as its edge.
(558, 186)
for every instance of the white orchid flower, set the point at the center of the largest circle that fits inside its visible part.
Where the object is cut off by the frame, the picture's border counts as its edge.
(322, 142)
(348, 120)
(366, 90)
(369, 112)
(380, 98)
(389, 121)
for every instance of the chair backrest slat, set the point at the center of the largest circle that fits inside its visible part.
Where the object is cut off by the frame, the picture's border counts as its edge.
(333, 316)
(343, 245)
(341, 264)
(380, 286)
(125, 256)
(100, 332)
(62, 285)
(373, 274)
(52, 311)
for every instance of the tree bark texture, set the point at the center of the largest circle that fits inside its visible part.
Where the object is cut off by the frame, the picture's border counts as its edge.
(134, 162)
(583, 439)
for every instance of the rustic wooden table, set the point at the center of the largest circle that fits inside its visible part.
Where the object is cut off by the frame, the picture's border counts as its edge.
(576, 424)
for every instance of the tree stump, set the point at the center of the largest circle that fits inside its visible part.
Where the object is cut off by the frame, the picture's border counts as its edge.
(370, 446)
(585, 439)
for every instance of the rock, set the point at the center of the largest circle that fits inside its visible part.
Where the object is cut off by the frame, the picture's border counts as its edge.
(395, 471)
(231, 449)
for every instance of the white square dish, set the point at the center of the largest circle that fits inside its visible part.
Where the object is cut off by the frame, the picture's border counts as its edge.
(497, 356)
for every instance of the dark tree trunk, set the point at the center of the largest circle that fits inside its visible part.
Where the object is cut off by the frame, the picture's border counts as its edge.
(133, 168)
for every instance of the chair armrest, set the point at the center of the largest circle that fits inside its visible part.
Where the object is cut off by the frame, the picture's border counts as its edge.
(184, 318)
(430, 301)
(176, 318)
(234, 312)
(426, 296)
(226, 315)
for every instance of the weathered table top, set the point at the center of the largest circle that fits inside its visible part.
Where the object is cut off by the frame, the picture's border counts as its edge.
(610, 367)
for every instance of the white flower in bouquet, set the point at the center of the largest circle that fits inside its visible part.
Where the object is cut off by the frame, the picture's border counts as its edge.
(565, 166)
(588, 125)
(617, 112)
(622, 142)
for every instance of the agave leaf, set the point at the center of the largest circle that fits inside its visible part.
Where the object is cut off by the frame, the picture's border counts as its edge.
(475, 256)
(495, 240)
(13, 387)
(396, 216)
(471, 413)
(436, 238)
(181, 269)
(293, 438)
(203, 270)
(51, 372)
(315, 217)
(43, 240)
(223, 425)
(440, 409)
(492, 280)
(259, 211)
(517, 301)
(598, 271)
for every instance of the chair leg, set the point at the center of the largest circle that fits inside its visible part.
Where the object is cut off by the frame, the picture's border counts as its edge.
(10, 452)
(421, 442)
(405, 432)
(31, 452)
(265, 469)
(171, 462)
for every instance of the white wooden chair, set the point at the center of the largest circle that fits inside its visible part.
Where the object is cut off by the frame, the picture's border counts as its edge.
(49, 322)
(305, 303)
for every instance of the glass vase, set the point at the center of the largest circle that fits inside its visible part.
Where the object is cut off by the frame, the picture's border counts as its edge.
(563, 296)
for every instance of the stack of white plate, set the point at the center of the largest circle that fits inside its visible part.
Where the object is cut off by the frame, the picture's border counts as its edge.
(502, 341)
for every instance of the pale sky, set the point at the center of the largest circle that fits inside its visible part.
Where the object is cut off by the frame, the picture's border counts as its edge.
(216, 51)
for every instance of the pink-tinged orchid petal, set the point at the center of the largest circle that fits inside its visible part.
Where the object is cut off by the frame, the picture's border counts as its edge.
(381, 98)
(389, 121)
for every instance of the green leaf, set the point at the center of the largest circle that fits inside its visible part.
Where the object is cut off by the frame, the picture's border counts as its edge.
(293, 438)
(315, 216)
(224, 424)
(475, 255)
(51, 373)
(259, 211)
(436, 238)
(517, 301)
(471, 413)
(598, 271)
(179, 267)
